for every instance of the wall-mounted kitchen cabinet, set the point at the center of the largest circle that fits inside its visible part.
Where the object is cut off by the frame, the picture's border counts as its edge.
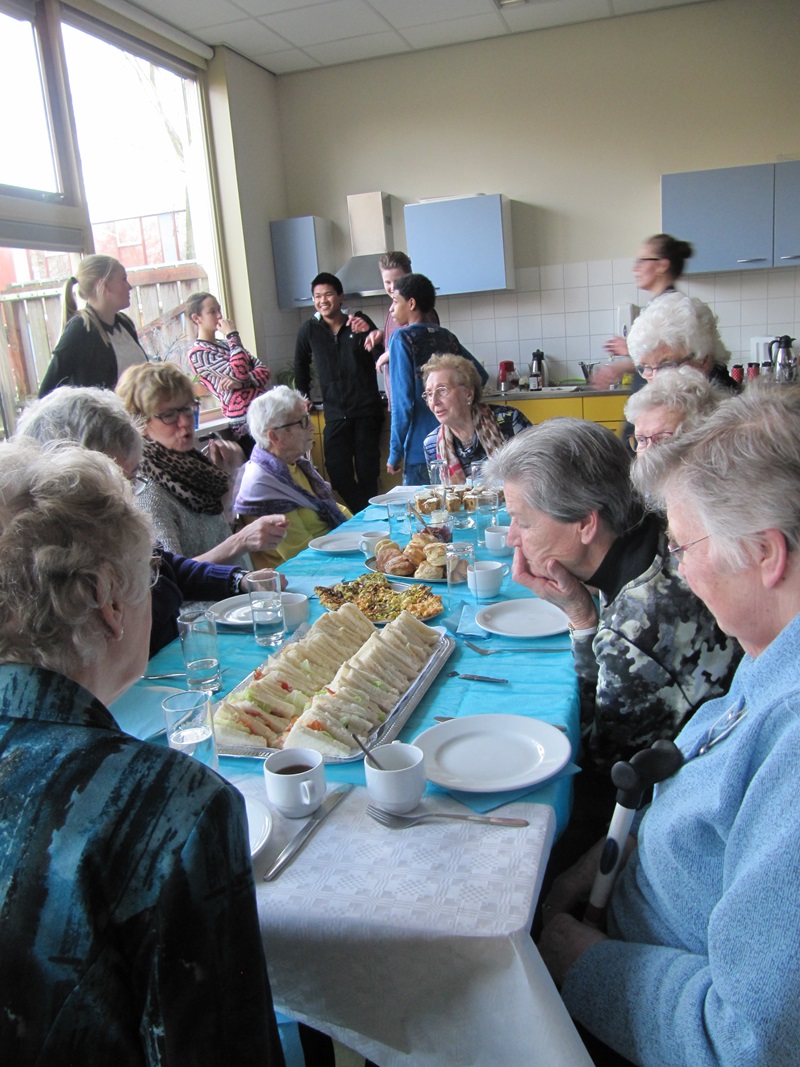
(737, 218)
(301, 248)
(462, 244)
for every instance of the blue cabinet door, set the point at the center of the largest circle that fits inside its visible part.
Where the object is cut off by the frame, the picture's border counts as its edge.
(726, 214)
(787, 214)
(463, 245)
(300, 250)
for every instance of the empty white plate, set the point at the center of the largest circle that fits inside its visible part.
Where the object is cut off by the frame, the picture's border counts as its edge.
(492, 753)
(259, 823)
(522, 618)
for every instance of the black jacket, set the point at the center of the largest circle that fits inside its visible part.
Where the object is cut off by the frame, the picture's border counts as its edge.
(82, 357)
(345, 370)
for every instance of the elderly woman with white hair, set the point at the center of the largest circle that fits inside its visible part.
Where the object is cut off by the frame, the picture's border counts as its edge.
(674, 401)
(97, 419)
(128, 915)
(279, 476)
(677, 331)
(698, 965)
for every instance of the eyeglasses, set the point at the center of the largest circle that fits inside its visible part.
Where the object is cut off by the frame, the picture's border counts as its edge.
(648, 368)
(678, 551)
(439, 393)
(138, 483)
(640, 443)
(719, 730)
(155, 569)
(645, 259)
(169, 418)
(304, 423)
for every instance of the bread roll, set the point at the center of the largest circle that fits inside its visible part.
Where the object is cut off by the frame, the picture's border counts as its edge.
(416, 553)
(435, 554)
(429, 571)
(399, 564)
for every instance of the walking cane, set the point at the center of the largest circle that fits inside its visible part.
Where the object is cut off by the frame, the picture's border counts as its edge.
(632, 780)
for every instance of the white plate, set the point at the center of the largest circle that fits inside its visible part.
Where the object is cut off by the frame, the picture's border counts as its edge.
(522, 618)
(235, 611)
(396, 495)
(338, 544)
(492, 753)
(259, 824)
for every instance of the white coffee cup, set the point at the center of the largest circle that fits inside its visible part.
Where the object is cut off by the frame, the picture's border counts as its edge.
(295, 609)
(399, 785)
(497, 540)
(369, 539)
(485, 577)
(295, 780)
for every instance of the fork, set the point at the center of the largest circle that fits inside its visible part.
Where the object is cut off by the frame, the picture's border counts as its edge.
(400, 822)
(494, 651)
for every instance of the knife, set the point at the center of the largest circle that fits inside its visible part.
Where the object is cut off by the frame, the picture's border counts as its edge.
(478, 678)
(300, 840)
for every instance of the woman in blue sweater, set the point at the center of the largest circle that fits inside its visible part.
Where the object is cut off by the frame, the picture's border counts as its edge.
(699, 962)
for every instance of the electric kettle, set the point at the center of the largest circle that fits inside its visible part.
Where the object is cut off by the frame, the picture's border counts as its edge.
(784, 361)
(539, 366)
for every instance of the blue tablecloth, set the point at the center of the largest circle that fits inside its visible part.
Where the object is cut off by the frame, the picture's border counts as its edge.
(542, 685)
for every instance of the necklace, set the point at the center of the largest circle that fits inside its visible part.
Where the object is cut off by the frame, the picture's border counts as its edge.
(720, 729)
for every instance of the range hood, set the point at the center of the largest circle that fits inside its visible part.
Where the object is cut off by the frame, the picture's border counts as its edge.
(370, 236)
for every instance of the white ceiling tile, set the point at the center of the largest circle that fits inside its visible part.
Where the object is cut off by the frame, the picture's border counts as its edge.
(271, 7)
(334, 21)
(630, 7)
(287, 62)
(438, 34)
(352, 49)
(402, 13)
(248, 36)
(191, 15)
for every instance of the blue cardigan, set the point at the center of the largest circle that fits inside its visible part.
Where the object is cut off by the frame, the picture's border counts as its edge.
(704, 963)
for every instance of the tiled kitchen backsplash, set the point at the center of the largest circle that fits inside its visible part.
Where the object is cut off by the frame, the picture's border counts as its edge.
(569, 310)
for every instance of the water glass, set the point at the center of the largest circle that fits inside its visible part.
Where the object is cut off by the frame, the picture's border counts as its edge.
(439, 472)
(486, 508)
(198, 634)
(399, 529)
(189, 726)
(269, 626)
(459, 556)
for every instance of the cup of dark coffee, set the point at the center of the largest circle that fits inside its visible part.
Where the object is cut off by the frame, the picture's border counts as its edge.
(295, 781)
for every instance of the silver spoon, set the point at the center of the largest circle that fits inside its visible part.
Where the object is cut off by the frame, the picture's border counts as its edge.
(366, 752)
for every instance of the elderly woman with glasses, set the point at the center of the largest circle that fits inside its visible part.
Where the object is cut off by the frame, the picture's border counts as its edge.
(187, 493)
(279, 477)
(468, 430)
(97, 419)
(128, 915)
(649, 653)
(678, 331)
(698, 964)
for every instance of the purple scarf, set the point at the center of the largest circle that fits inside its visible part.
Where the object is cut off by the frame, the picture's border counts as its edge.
(267, 488)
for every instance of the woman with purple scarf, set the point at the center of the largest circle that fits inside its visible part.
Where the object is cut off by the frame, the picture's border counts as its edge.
(279, 478)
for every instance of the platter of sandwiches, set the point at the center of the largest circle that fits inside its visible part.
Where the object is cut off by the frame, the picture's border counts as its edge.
(379, 599)
(344, 677)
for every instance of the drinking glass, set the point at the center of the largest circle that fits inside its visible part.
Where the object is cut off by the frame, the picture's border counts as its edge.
(198, 634)
(399, 529)
(486, 509)
(459, 556)
(269, 626)
(189, 726)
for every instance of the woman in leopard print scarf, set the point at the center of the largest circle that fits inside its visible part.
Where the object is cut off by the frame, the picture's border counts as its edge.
(186, 492)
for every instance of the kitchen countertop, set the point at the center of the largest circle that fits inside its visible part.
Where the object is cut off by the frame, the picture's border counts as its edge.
(552, 392)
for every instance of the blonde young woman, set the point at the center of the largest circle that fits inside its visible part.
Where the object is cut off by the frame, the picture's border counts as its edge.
(98, 342)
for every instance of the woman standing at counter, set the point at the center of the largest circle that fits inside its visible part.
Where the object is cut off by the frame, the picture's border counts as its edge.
(469, 431)
(97, 343)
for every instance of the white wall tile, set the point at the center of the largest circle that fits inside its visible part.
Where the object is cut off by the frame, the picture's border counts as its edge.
(528, 280)
(778, 312)
(728, 312)
(460, 307)
(553, 326)
(552, 277)
(505, 304)
(622, 271)
(625, 294)
(602, 322)
(780, 283)
(462, 328)
(576, 299)
(507, 329)
(754, 313)
(755, 284)
(529, 304)
(601, 297)
(555, 348)
(483, 330)
(530, 326)
(553, 301)
(728, 286)
(577, 324)
(600, 272)
(576, 275)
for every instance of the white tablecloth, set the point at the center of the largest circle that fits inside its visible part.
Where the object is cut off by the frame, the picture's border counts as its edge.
(413, 946)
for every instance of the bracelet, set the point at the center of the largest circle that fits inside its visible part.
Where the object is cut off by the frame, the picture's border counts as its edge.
(588, 631)
(234, 580)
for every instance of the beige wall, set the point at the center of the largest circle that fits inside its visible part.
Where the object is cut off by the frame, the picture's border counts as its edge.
(575, 124)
